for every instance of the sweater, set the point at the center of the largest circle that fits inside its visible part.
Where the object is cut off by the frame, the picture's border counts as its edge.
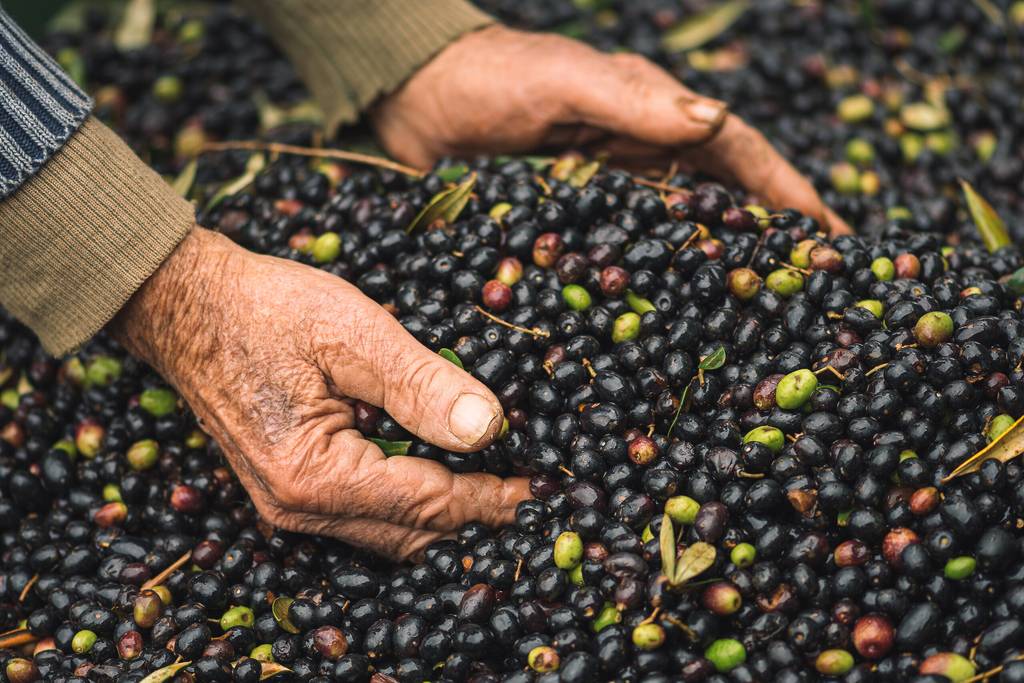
(84, 222)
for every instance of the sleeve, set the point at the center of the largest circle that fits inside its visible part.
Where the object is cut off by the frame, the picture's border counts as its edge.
(83, 221)
(350, 52)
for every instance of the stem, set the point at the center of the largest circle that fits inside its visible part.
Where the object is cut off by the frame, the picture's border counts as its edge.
(28, 587)
(162, 576)
(664, 187)
(876, 369)
(280, 148)
(21, 637)
(535, 331)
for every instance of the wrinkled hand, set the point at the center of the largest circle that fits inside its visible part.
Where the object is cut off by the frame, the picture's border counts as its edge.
(270, 355)
(499, 90)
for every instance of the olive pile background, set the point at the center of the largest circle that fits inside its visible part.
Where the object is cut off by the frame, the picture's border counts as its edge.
(794, 403)
(787, 67)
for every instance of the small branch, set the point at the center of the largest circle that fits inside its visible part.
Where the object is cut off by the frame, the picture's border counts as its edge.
(536, 332)
(280, 148)
(17, 638)
(28, 587)
(162, 576)
(664, 187)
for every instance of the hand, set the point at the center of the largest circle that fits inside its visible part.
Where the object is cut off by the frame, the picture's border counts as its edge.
(270, 354)
(499, 90)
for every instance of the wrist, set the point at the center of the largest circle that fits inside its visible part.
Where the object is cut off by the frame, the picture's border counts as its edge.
(159, 323)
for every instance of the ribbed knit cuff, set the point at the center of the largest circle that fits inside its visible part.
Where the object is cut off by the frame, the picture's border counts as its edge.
(349, 52)
(82, 234)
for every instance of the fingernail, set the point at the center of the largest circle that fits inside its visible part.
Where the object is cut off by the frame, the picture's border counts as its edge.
(710, 113)
(471, 417)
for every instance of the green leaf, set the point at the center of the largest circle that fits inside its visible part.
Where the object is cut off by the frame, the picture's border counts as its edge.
(273, 116)
(183, 183)
(683, 398)
(1015, 282)
(667, 545)
(166, 673)
(582, 175)
(639, 304)
(537, 163)
(714, 360)
(951, 40)
(695, 560)
(271, 669)
(990, 10)
(451, 356)
(867, 12)
(446, 205)
(392, 447)
(703, 27)
(253, 166)
(279, 608)
(830, 387)
(990, 226)
(71, 61)
(136, 28)
(452, 173)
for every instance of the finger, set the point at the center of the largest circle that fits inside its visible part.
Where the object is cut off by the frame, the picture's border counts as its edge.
(378, 361)
(835, 225)
(630, 96)
(342, 474)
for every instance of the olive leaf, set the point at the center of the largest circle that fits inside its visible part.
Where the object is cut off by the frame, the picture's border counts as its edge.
(992, 12)
(1015, 282)
(271, 669)
(714, 360)
(446, 205)
(184, 180)
(392, 447)
(136, 27)
(990, 225)
(582, 175)
(279, 609)
(703, 27)
(1003, 448)
(951, 41)
(683, 398)
(71, 61)
(253, 166)
(166, 673)
(451, 357)
(452, 173)
(695, 560)
(667, 545)
(273, 116)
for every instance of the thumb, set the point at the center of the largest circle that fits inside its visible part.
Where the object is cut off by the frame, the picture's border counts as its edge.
(430, 396)
(628, 95)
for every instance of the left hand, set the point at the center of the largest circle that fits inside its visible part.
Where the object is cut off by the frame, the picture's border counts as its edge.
(498, 90)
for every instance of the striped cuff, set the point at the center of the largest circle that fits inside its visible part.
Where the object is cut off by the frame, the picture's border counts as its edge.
(81, 235)
(40, 106)
(350, 52)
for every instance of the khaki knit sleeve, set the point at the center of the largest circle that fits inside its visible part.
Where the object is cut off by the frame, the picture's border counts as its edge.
(82, 234)
(349, 52)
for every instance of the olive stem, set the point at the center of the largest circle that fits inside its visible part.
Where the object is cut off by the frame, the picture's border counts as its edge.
(566, 470)
(16, 638)
(590, 368)
(28, 587)
(876, 369)
(280, 148)
(664, 187)
(543, 185)
(162, 576)
(652, 616)
(535, 332)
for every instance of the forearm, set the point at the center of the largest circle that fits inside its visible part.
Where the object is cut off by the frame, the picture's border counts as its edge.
(350, 52)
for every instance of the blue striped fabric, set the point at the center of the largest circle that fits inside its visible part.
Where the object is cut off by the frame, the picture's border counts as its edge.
(40, 106)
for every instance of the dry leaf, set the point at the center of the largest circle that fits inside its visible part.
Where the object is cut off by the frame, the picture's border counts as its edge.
(1004, 448)
(704, 27)
(446, 205)
(990, 226)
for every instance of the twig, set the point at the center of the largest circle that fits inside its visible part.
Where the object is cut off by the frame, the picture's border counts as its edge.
(536, 332)
(664, 187)
(162, 576)
(876, 369)
(280, 148)
(21, 637)
(28, 587)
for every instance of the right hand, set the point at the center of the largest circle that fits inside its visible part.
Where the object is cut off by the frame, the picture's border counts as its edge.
(270, 355)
